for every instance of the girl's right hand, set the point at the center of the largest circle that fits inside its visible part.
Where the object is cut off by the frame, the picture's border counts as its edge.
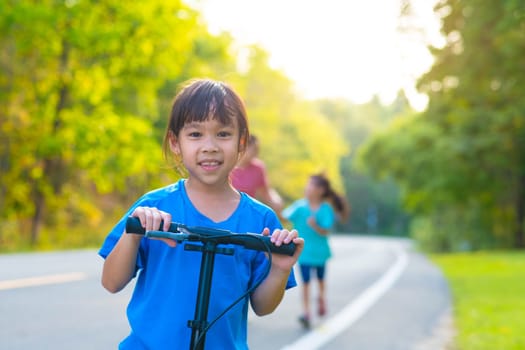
(151, 219)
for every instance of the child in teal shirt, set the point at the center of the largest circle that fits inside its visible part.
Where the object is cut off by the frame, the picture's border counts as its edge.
(314, 216)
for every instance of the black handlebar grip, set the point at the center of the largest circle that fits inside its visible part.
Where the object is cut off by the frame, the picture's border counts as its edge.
(133, 226)
(252, 243)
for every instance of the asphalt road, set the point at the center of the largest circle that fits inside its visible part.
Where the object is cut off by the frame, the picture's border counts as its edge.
(381, 295)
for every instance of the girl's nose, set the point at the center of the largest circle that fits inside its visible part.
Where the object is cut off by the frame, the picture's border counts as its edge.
(210, 145)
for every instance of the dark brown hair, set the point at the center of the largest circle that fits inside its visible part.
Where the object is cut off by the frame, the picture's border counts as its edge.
(202, 99)
(337, 201)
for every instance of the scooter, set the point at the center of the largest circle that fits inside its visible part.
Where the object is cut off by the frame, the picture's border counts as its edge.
(211, 240)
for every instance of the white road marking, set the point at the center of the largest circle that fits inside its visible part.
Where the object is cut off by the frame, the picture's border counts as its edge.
(42, 280)
(353, 311)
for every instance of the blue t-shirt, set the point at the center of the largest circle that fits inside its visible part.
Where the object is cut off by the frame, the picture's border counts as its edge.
(316, 246)
(165, 294)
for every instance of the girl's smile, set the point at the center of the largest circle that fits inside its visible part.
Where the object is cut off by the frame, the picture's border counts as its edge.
(210, 164)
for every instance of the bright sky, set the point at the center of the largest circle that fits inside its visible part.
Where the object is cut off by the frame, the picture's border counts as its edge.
(333, 48)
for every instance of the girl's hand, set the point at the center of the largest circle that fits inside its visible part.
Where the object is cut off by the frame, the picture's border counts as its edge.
(313, 224)
(151, 219)
(284, 236)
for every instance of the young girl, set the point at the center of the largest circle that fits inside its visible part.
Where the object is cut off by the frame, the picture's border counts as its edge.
(314, 216)
(206, 134)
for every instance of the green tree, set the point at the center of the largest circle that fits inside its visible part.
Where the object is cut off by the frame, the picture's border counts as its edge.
(375, 205)
(80, 102)
(461, 161)
(296, 140)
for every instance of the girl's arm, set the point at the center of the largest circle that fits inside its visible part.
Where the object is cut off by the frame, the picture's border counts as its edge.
(269, 294)
(313, 224)
(323, 219)
(120, 264)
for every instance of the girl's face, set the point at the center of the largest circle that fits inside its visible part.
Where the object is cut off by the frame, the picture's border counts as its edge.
(209, 150)
(313, 191)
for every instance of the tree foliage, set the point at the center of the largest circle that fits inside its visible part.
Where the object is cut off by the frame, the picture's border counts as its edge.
(461, 161)
(375, 205)
(85, 91)
(80, 102)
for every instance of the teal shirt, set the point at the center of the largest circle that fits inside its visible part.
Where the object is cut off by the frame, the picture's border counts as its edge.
(316, 246)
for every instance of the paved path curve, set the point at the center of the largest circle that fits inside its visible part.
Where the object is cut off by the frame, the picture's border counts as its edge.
(381, 295)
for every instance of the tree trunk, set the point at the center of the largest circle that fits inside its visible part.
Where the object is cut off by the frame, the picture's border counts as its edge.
(37, 216)
(519, 239)
(53, 165)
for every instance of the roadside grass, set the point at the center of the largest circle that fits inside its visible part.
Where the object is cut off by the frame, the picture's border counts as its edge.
(488, 292)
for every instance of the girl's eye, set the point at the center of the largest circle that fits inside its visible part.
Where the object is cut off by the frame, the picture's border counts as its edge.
(194, 134)
(224, 134)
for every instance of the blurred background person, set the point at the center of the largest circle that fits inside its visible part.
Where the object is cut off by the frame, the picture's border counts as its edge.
(250, 176)
(314, 217)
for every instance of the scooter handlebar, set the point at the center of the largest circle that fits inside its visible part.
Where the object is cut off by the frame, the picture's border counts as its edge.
(180, 232)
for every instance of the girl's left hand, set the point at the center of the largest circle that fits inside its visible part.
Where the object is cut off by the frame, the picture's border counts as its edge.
(284, 236)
